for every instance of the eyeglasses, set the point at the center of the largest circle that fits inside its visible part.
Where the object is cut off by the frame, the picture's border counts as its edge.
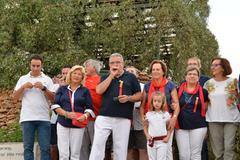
(115, 62)
(192, 74)
(215, 65)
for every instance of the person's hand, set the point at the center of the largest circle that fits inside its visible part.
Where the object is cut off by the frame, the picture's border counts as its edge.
(27, 85)
(114, 71)
(172, 123)
(62, 81)
(123, 98)
(166, 139)
(149, 137)
(38, 85)
(82, 118)
(71, 115)
(174, 106)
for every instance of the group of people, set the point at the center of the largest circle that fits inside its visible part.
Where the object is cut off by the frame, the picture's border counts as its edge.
(141, 119)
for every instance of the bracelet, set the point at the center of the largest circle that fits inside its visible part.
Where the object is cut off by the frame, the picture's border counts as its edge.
(86, 117)
(65, 115)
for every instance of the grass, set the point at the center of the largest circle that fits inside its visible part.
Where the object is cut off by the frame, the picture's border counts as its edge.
(12, 133)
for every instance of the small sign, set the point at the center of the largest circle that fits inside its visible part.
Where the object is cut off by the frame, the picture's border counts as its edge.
(12, 151)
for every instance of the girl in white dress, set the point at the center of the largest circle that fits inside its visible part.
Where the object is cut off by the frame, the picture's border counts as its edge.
(155, 127)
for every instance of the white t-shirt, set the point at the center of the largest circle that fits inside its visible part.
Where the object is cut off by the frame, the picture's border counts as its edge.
(157, 123)
(218, 110)
(35, 106)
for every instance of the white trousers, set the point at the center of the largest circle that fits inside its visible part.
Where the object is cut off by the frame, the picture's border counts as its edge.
(158, 151)
(190, 143)
(169, 148)
(69, 142)
(120, 128)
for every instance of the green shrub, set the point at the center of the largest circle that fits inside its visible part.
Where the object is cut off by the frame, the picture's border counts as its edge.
(12, 133)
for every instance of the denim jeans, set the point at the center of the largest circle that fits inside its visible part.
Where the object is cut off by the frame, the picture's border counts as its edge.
(43, 129)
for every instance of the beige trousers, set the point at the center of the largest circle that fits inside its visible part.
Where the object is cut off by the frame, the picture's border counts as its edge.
(222, 138)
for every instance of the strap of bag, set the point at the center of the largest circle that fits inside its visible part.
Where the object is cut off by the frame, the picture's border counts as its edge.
(189, 99)
(72, 104)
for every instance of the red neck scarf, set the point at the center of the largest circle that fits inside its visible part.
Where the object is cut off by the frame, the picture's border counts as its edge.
(155, 86)
(198, 88)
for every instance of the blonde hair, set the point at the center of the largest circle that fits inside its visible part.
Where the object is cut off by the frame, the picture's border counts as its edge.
(163, 99)
(74, 68)
(196, 59)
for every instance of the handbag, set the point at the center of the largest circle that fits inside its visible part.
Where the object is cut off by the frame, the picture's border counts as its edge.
(75, 122)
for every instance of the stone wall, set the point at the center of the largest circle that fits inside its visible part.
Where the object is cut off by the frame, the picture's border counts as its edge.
(9, 110)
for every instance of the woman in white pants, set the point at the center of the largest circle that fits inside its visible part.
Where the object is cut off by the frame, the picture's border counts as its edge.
(69, 100)
(192, 127)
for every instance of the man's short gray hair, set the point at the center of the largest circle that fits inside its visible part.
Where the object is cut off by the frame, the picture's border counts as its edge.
(94, 63)
(116, 55)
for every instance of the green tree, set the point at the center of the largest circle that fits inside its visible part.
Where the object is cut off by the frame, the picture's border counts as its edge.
(69, 32)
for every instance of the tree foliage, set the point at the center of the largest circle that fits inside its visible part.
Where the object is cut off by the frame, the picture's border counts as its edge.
(69, 32)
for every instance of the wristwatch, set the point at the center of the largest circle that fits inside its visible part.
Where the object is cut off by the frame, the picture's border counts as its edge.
(44, 88)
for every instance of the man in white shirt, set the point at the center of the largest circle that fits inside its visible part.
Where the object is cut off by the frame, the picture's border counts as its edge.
(35, 89)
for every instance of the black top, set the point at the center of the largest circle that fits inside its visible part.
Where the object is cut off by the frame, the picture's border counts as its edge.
(82, 101)
(110, 105)
(187, 118)
(203, 79)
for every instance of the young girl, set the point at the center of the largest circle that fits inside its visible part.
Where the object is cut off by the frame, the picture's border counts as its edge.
(155, 127)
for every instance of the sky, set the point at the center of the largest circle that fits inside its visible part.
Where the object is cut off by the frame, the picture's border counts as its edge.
(224, 22)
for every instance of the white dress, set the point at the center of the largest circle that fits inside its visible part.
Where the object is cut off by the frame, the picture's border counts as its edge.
(157, 126)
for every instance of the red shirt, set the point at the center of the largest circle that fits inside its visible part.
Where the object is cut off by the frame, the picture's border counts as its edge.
(90, 83)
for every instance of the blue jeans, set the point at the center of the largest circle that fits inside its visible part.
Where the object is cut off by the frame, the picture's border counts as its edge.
(43, 129)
